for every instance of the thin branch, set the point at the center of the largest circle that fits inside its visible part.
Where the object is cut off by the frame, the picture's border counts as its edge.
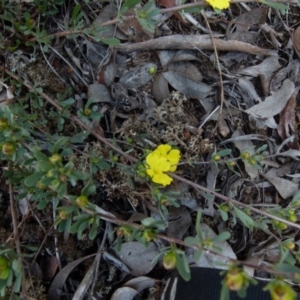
(16, 230)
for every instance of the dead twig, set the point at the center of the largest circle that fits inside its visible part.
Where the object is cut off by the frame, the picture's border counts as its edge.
(219, 69)
(16, 230)
(203, 42)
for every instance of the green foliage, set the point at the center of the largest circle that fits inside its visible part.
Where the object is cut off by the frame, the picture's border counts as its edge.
(128, 4)
(10, 271)
(145, 16)
(89, 112)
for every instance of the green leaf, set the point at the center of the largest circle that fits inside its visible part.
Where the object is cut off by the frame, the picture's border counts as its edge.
(45, 166)
(88, 190)
(4, 274)
(224, 295)
(103, 165)
(295, 199)
(222, 237)
(62, 190)
(247, 221)
(198, 221)
(149, 222)
(79, 175)
(193, 10)
(17, 283)
(128, 4)
(94, 231)
(197, 255)
(287, 268)
(275, 5)
(76, 12)
(183, 267)
(32, 179)
(262, 148)
(118, 244)
(39, 155)
(224, 152)
(60, 143)
(42, 204)
(110, 41)
(224, 214)
(79, 137)
(191, 241)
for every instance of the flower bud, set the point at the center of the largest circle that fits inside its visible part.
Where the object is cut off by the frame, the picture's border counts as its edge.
(164, 201)
(289, 244)
(281, 290)
(63, 178)
(63, 215)
(4, 267)
(231, 163)
(234, 279)
(296, 203)
(245, 155)
(224, 207)
(87, 112)
(282, 226)
(40, 185)
(124, 231)
(50, 174)
(55, 158)
(82, 201)
(216, 157)
(3, 124)
(8, 148)
(169, 260)
(251, 161)
(152, 70)
(148, 235)
(293, 218)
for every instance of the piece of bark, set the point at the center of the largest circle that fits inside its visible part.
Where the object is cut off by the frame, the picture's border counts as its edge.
(203, 42)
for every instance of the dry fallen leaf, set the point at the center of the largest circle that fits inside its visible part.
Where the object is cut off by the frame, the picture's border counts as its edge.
(285, 187)
(296, 41)
(245, 27)
(264, 70)
(169, 4)
(287, 121)
(275, 103)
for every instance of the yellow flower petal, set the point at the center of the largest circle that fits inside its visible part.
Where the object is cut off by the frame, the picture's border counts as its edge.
(162, 179)
(163, 149)
(219, 4)
(158, 163)
(173, 157)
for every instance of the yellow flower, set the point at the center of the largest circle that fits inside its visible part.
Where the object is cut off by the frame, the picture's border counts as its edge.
(162, 159)
(234, 279)
(281, 290)
(219, 4)
(158, 165)
(172, 155)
